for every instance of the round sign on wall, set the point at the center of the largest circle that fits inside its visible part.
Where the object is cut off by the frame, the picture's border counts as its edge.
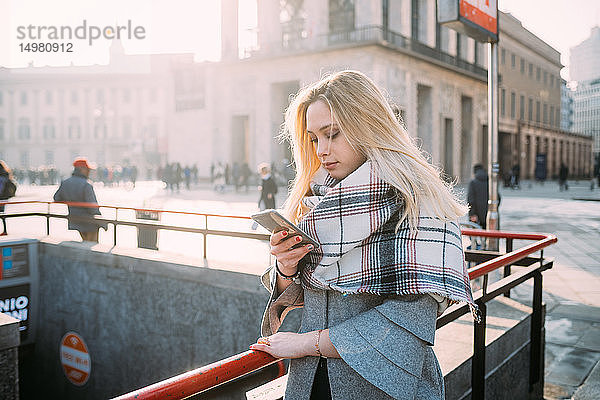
(75, 358)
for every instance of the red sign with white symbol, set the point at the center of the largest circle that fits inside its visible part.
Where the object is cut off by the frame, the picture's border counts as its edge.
(75, 359)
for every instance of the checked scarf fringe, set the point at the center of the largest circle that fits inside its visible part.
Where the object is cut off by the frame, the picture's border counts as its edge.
(361, 252)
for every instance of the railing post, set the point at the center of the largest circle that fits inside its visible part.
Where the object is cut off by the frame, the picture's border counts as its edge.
(536, 383)
(478, 361)
(115, 226)
(48, 220)
(204, 235)
(507, 269)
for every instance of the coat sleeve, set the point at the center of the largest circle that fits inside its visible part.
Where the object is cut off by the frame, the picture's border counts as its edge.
(471, 199)
(90, 197)
(58, 195)
(279, 305)
(389, 343)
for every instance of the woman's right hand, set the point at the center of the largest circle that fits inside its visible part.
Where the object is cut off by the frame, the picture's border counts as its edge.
(288, 258)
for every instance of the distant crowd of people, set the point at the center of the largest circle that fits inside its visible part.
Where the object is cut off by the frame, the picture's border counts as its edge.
(174, 175)
(242, 176)
(43, 175)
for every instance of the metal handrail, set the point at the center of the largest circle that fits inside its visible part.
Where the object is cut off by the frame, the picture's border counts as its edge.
(191, 383)
(155, 225)
(204, 378)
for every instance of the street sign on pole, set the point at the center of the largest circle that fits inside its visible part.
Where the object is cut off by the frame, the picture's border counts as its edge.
(479, 19)
(475, 18)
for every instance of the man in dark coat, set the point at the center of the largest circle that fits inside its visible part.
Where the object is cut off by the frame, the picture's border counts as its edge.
(563, 174)
(77, 188)
(268, 187)
(477, 196)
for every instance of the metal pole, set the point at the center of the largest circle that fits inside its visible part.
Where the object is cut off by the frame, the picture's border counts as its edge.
(493, 166)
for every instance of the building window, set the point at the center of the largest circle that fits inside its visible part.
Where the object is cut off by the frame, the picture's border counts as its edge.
(522, 108)
(551, 81)
(545, 113)
(126, 95)
(23, 98)
(74, 97)
(522, 65)
(341, 15)
(74, 129)
(503, 102)
(513, 61)
(513, 105)
(99, 129)
(100, 96)
(24, 158)
(24, 132)
(551, 115)
(48, 130)
(503, 56)
(126, 131)
(545, 77)
(48, 97)
(537, 111)
(1, 129)
(1, 98)
(530, 70)
(49, 157)
(537, 74)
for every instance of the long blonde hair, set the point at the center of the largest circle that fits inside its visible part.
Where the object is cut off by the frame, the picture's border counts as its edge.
(367, 120)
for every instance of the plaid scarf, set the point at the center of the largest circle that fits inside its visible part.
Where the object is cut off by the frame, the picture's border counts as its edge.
(361, 252)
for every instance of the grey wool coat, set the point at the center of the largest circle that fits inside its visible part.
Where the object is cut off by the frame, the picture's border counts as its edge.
(77, 188)
(384, 341)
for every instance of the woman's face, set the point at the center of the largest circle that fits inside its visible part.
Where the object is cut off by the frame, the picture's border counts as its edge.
(332, 147)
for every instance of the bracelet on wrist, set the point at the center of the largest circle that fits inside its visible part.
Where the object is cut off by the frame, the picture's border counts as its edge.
(318, 337)
(284, 276)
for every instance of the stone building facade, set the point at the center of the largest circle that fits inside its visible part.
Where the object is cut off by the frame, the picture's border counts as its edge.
(114, 114)
(167, 108)
(436, 77)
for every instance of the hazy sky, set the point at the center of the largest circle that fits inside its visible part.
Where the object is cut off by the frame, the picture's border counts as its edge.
(176, 26)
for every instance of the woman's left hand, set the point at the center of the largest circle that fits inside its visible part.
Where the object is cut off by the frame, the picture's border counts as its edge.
(285, 345)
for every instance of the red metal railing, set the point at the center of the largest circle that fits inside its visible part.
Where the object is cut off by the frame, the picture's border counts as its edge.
(205, 378)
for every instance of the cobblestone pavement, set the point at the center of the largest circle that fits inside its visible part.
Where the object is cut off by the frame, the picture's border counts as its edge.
(571, 287)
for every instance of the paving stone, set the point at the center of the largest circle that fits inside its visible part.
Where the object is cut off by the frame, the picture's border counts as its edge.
(590, 390)
(573, 367)
(590, 339)
(576, 311)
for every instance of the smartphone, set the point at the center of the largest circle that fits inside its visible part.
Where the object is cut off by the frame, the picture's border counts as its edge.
(274, 222)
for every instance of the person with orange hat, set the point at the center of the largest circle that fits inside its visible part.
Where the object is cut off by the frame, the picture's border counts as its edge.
(78, 189)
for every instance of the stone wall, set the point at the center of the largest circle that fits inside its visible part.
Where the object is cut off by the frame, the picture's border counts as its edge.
(143, 316)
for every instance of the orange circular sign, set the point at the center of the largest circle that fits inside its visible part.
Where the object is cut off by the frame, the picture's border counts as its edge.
(75, 359)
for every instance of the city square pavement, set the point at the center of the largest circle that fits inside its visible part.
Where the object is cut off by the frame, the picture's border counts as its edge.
(571, 287)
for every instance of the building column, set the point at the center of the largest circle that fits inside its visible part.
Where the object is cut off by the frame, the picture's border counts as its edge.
(531, 156)
(229, 29)
(269, 25)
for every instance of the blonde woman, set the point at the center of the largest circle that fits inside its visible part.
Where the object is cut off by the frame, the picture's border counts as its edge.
(390, 258)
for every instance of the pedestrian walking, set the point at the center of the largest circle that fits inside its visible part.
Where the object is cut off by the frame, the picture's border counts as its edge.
(514, 176)
(477, 196)
(563, 175)
(390, 258)
(8, 189)
(267, 189)
(78, 189)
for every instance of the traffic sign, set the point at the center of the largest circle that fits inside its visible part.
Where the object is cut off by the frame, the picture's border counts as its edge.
(75, 359)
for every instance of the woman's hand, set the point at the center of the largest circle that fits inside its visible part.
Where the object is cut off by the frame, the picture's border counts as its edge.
(286, 345)
(288, 258)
